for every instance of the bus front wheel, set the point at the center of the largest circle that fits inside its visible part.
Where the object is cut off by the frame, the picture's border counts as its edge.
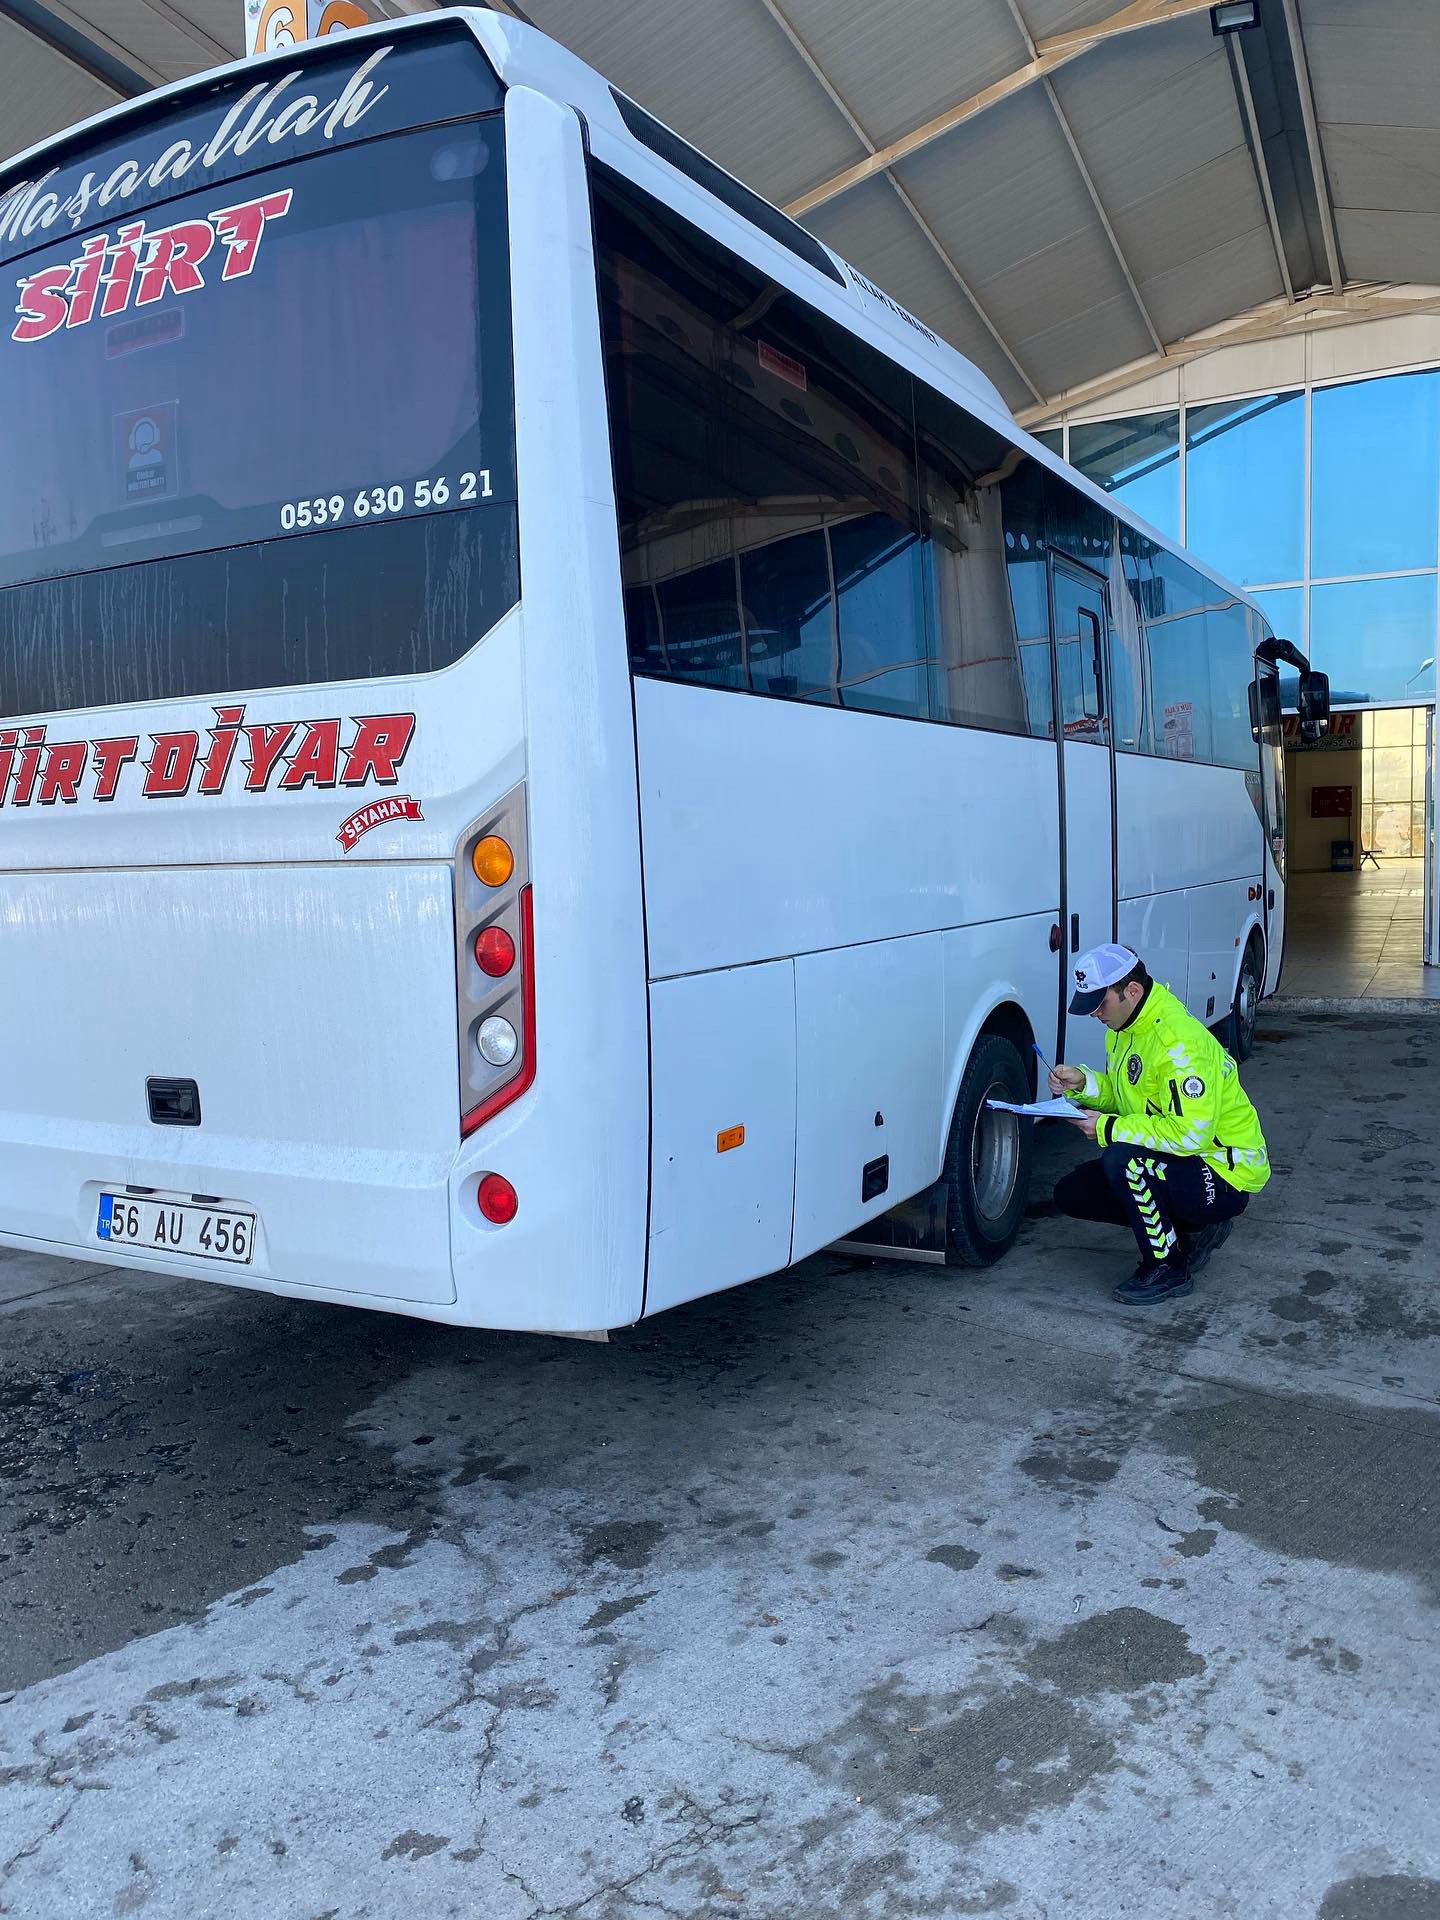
(987, 1160)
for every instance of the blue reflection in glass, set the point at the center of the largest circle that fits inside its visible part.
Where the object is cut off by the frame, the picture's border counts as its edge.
(1373, 636)
(1138, 460)
(1284, 608)
(1375, 475)
(1245, 486)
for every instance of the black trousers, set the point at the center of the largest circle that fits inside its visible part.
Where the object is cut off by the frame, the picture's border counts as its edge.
(1157, 1195)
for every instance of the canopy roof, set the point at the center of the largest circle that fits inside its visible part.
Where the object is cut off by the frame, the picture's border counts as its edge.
(1062, 188)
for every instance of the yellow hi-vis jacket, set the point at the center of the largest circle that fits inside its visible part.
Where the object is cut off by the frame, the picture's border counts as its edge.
(1172, 1087)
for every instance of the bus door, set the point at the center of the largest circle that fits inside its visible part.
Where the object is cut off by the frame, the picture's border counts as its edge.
(1079, 622)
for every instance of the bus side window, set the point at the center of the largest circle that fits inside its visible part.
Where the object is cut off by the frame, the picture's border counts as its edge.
(765, 475)
(1128, 678)
(1176, 631)
(700, 624)
(1232, 667)
(879, 590)
(789, 617)
(984, 642)
(1079, 647)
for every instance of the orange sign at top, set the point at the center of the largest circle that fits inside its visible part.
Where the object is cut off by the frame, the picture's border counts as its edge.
(271, 25)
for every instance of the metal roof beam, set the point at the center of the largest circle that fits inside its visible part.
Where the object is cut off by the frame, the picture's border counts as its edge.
(1312, 143)
(836, 99)
(1257, 155)
(1104, 218)
(1087, 179)
(98, 57)
(1271, 320)
(214, 52)
(1051, 53)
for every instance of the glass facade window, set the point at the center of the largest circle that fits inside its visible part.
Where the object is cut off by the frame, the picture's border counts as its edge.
(1245, 486)
(1284, 608)
(1373, 636)
(1375, 476)
(1364, 607)
(1138, 460)
(1053, 438)
(1392, 783)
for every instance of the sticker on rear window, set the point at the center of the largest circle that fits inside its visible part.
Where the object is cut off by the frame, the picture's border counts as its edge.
(140, 265)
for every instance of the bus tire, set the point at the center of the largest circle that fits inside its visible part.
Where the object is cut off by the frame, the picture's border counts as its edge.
(1239, 1030)
(987, 1158)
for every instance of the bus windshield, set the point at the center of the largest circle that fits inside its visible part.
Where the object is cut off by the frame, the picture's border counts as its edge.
(319, 349)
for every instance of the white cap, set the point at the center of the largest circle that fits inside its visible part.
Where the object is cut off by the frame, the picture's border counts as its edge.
(1095, 972)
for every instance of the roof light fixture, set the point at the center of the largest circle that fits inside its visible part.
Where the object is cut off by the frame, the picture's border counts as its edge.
(1233, 16)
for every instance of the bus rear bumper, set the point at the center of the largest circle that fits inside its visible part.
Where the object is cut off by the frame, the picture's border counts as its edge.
(397, 1233)
(370, 1228)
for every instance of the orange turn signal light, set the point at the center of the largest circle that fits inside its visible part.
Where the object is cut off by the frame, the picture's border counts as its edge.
(492, 860)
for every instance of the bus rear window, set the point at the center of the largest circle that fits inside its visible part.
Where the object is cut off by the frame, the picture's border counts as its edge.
(311, 354)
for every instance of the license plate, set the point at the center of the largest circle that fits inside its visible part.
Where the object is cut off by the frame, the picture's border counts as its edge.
(176, 1226)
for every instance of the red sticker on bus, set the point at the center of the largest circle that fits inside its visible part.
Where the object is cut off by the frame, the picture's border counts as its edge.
(302, 753)
(782, 365)
(395, 806)
(141, 264)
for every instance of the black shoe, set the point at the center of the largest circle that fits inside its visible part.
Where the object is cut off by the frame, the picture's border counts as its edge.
(1151, 1283)
(1199, 1246)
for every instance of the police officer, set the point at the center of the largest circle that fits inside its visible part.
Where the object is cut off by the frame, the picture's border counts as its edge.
(1182, 1149)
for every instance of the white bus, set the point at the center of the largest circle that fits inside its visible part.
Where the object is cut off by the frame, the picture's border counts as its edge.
(555, 743)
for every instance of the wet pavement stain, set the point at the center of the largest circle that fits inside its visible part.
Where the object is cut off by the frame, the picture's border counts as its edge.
(1122, 1651)
(983, 1767)
(1197, 1543)
(411, 1845)
(1318, 1480)
(628, 1544)
(610, 1611)
(1385, 1896)
(1327, 1656)
(152, 1462)
(1074, 1472)
(489, 1466)
(959, 1559)
(1378, 1311)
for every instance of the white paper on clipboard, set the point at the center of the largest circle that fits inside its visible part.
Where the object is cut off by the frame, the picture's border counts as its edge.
(1057, 1109)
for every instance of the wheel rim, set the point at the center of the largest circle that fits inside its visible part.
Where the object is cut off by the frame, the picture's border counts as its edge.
(1248, 1001)
(994, 1154)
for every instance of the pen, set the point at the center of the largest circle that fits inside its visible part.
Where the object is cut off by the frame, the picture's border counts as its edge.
(1046, 1064)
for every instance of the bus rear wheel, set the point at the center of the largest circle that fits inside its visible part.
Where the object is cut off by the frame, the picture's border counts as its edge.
(987, 1160)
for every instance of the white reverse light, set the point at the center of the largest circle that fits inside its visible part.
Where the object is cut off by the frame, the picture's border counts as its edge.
(497, 1041)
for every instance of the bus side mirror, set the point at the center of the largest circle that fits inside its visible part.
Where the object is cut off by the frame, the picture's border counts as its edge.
(1314, 704)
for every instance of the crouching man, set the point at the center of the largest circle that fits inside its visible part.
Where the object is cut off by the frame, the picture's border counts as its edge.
(1181, 1146)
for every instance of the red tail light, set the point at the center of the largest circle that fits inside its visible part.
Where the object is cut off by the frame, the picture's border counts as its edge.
(494, 952)
(497, 1199)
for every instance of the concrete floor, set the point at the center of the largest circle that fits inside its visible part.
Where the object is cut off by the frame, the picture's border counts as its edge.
(1358, 935)
(868, 1590)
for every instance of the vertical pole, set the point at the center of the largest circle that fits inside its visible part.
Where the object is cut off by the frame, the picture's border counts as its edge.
(1302, 639)
(1184, 453)
(1431, 951)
